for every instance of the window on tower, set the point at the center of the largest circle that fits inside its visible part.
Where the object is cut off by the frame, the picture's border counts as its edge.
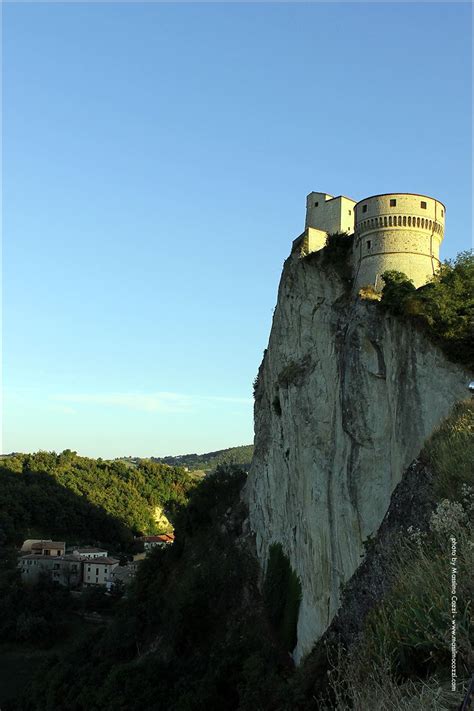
(316, 204)
(423, 204)
(393, 202)
(364, 208)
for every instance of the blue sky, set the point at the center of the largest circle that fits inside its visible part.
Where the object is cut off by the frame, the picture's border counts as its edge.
(156, 159)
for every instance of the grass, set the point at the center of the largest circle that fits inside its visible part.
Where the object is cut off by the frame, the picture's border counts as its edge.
(450, 452)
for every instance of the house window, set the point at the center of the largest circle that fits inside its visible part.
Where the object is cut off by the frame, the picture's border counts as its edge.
(423, 204)
(316, 204)
(369, 243)
(97, 571)
(393, 202)
(47, 552)
(364, 208)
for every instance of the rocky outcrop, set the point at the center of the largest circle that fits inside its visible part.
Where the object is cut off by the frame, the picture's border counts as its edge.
(345, 397)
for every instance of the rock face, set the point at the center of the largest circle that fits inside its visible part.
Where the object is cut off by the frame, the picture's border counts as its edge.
(346, 396)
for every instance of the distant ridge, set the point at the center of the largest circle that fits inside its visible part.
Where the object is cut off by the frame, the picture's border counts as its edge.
(210, 460)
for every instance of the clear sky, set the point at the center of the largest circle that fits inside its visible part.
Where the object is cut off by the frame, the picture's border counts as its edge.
(156, 160)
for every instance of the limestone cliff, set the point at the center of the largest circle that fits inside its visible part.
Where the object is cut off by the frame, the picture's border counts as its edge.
(346, 396)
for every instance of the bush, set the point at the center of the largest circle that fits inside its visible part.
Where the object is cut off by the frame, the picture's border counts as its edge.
(396, 290)
(282, 594)
(444, 307)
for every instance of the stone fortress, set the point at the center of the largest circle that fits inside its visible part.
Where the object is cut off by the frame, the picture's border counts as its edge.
(399, 231)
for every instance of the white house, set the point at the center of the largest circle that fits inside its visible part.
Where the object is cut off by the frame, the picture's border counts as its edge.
(98, 571)
(91, 552)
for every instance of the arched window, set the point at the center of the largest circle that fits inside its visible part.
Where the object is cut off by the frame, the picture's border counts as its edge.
(409, 222)
(390, 220)
(417, 221)
(422, 221)
(431, 224)
(400, 221)
(404, 220)
(385, 221)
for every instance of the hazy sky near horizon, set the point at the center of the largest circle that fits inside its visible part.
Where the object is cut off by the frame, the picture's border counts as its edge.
(156, 160)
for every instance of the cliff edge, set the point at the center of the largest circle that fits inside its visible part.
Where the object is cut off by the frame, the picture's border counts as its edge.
(345, 397)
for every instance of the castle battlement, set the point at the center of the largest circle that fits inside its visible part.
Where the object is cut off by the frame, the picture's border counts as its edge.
(392, 231)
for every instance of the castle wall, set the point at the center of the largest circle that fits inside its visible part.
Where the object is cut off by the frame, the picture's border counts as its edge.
(329, 214)
(402, 232)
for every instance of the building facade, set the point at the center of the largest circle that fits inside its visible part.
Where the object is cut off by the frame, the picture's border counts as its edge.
(99, 571)
(48, 548)
(392, 231)
(397, 231)
(91, 553)
(65, 570)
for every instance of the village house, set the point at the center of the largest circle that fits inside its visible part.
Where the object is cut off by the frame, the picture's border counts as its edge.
(160, 541)
(87, 566)
(65, 570)
(98, 571)
(90, 552)
(122, 575)
(44, 547)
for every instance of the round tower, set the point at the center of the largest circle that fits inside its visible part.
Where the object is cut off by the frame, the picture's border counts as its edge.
(399, 231)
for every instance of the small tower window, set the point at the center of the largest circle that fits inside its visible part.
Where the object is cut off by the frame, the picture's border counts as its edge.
(442, 213)
(393, 202)
(316, 204)
(369, 243)
(350, 212)
(423, 204)
(364, 208)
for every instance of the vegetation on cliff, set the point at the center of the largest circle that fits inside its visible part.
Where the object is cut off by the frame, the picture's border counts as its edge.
(443, 308)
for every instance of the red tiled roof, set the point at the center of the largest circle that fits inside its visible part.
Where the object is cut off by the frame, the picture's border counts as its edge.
(163, 538)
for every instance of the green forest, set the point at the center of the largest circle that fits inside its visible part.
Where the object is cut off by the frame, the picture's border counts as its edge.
(85, 500)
